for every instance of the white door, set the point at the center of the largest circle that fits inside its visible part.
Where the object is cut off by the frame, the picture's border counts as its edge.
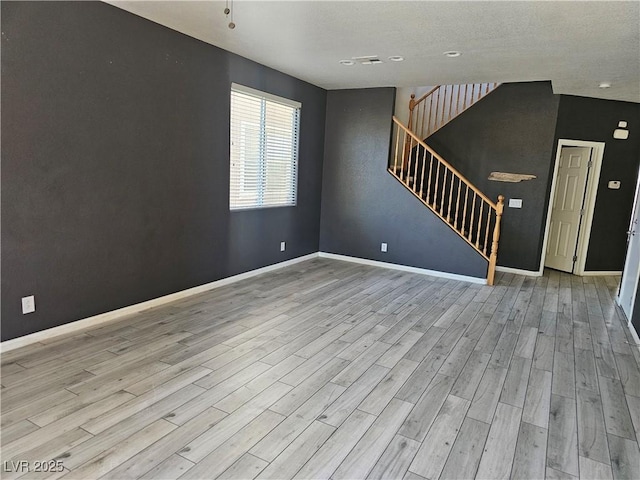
(567, 208)
(631, 272)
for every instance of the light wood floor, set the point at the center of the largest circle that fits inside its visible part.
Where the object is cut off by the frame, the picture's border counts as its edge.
(331, 369)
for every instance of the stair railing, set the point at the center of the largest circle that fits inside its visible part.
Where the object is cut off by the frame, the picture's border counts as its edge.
(440, 105)
(446, 192)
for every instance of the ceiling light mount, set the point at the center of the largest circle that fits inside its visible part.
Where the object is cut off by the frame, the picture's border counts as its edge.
(452, 53)
(228, 11)
(367, 60)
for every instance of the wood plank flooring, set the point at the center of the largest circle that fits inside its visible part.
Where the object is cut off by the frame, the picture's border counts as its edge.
(328, 369)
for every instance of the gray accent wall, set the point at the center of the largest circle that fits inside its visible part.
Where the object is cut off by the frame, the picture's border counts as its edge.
(115, 164)
(363, 205)
(516, 129)
(595, 120)
(510, 130)
(115, 168)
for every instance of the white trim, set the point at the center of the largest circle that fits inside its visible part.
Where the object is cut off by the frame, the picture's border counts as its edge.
(627, 263)
(634, 334)
(597, 149)
(113, 315)
(635, 289)
(518, 271)
(598, 274)
(632, 329)
(118, 314)
(404, 268)
(633, 299)
(590, 205)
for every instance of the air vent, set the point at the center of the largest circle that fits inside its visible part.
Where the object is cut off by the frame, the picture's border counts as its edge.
(367, 60)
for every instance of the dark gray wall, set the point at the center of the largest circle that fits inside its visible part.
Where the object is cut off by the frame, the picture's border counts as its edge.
(511, 130)
(595, 120)
(363, 205)
(115, 164)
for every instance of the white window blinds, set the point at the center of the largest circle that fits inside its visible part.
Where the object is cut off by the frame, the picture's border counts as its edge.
(264, 149)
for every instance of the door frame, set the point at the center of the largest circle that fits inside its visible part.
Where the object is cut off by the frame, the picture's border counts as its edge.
(591, 191)
(636, 205)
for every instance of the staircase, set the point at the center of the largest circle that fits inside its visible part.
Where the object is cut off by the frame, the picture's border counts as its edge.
(437, 184)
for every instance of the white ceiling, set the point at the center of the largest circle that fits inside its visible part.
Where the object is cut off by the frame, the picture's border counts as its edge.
(576, 45)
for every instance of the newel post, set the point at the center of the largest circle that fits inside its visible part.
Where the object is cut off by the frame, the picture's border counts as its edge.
(494, 244)
(408, 141)
(412, 105)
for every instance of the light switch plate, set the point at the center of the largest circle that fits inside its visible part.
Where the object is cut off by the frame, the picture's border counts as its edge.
(515, 203)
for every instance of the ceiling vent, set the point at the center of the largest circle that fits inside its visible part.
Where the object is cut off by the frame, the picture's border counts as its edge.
(367, 60)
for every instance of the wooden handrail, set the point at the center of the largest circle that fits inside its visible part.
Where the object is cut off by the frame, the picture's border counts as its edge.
(421, 99)
(438, 185)
(443, 161)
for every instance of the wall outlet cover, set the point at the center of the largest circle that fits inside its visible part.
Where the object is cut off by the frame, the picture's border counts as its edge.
(283, 246)
(383, 247)
(28, 304)
(620, 134)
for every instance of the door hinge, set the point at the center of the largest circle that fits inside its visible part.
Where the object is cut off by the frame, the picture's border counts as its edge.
(581, 212)
(590, 164)
(575, 258)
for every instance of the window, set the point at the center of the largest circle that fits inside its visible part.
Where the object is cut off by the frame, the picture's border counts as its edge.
(264, 149)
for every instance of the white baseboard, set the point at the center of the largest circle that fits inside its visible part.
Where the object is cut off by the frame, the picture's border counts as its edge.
(634, 334)
(114, 315)
(539, 273)
(404, 268)
(600, 274)
(120, 313)
(632, 329)
(518, 271)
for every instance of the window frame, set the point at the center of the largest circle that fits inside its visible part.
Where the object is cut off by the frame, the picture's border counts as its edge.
(262, 140)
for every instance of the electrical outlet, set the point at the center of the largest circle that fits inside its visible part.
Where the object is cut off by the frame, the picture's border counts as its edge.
(383, 247)
(28, 304)
(283, 246)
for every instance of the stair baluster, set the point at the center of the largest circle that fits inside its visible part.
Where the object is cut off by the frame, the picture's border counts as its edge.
(410, 168)
(443, 105)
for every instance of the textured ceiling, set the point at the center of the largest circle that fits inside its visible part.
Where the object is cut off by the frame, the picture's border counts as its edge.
(576, 45)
